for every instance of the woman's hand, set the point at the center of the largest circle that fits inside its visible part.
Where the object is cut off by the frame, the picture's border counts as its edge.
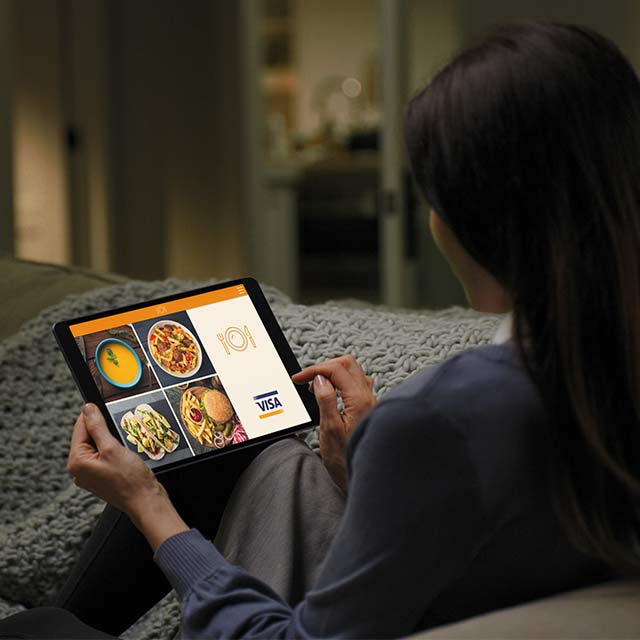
(100, 464)
(345, 374)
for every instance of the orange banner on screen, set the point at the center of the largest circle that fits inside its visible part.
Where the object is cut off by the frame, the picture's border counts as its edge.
(157, 310)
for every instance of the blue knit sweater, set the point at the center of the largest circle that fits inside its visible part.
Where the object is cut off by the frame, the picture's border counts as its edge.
(448, 515)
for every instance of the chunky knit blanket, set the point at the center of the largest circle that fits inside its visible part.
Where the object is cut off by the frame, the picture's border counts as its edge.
(45, 519)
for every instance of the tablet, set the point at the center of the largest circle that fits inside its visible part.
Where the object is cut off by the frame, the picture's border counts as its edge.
(189, 376)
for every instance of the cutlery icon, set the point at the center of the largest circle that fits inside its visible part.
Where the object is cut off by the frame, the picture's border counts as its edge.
(236, 339)
(248, 334)
(224, 343)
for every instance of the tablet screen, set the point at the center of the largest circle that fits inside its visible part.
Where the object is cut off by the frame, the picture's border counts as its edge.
(191, 376)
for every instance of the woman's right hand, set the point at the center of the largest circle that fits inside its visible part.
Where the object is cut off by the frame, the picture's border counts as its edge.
(346, 375)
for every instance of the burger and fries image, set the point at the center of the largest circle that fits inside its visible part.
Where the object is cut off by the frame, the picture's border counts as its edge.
(209, 417)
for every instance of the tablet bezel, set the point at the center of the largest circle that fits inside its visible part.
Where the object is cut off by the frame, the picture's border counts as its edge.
(86, 384)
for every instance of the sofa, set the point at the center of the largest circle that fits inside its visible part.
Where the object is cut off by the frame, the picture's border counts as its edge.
(44, 519)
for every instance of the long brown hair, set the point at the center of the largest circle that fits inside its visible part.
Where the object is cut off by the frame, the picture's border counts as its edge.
(528, 146)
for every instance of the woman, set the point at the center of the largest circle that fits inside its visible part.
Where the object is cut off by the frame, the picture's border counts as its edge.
(508, 472)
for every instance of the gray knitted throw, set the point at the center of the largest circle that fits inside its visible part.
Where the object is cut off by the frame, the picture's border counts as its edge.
(45, 519)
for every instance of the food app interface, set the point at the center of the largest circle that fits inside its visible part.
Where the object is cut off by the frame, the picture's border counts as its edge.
(190, 376)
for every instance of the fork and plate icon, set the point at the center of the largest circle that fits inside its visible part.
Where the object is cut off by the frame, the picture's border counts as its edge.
(236, 339)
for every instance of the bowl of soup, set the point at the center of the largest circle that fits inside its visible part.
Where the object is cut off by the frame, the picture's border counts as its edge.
(118, 363)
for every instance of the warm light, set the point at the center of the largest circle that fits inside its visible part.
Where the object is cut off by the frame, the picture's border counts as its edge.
(351, 87)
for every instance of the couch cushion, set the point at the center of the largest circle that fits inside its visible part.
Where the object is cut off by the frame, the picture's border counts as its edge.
(610, 610)
(26, 288)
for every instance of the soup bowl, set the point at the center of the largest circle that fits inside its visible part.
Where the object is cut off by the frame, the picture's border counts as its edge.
(118, 363)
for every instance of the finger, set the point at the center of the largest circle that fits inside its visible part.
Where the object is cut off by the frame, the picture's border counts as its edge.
(339, 376)
(309, 373)
(347, 362)
(79, 435)
(325, 395)
(79, 440)
(306, 375)
(97, 427)
(350, 363)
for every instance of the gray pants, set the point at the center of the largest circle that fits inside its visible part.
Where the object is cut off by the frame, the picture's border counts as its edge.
(281, 518)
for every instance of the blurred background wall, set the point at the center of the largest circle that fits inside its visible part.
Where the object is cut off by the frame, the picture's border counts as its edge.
(224, 137)
(126, 136)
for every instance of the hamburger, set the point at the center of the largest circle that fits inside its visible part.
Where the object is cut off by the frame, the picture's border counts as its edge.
(216, 406)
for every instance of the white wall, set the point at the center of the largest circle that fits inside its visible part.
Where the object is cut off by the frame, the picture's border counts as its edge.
(176, 139)
(6, 128)
(205, 227)
(40, 178)
(434, 34)
(617, 19)
(86, 67)
(156, 179)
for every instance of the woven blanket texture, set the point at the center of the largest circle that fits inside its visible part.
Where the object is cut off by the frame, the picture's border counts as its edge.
(45, 519)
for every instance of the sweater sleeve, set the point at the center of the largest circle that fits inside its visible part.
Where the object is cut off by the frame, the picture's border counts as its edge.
(412, 525)
(220, 600)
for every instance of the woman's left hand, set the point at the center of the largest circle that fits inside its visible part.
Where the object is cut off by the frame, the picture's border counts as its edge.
(100, 464)
(346, 375)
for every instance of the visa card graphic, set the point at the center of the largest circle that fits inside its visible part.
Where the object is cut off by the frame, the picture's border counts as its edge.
(268, 404)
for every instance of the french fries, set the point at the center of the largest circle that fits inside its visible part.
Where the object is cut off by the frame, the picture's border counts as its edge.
(200, 425)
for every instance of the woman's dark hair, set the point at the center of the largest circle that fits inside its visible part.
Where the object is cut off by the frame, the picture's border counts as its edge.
(528, 147)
